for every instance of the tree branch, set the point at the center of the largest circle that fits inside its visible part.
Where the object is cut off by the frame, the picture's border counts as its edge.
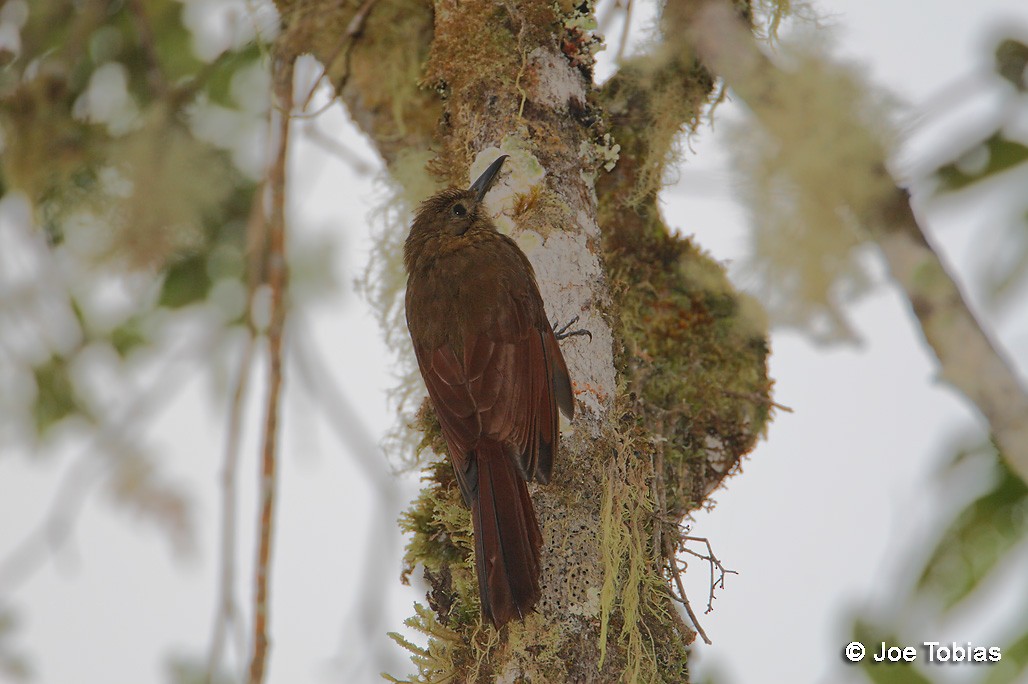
(967, 357)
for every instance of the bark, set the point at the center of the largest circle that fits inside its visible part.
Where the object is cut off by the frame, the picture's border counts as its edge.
(672, 388)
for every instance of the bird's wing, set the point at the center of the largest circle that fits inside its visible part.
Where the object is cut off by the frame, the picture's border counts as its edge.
(507, 382)
(515, 373)
(456, 410)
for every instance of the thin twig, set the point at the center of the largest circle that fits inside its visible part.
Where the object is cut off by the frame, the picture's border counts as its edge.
(227, 612)
(713, 562)
(354, 30)
(623, 42)
(227, 609)
(277, 281)
(662, 542)
(676, 573)
(757, 398)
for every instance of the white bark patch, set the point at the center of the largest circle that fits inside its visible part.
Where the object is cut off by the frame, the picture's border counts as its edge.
(520, 173)
(553, 82)
(568, 272)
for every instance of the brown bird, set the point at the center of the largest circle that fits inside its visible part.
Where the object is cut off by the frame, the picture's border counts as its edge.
(495, 377)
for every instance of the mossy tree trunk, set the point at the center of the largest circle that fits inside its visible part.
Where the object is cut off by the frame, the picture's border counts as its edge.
(672, 388)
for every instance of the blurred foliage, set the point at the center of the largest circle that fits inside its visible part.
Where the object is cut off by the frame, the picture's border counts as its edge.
(988, 158)
(1012, 63)
(14, 666)
(984, 533)
(965, 562)
(128, 177)
(100, 104)
(182, 669)
(55, 398)
(807, 236)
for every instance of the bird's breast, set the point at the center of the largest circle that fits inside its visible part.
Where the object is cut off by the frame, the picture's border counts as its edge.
(460, 292)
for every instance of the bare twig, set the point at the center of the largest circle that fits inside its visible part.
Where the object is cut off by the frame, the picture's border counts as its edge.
(354, 30)
(682, 597)
(713, 562)
(662, 542)
(277, 281)
(757, 398)
(227, 612)
(623, 41)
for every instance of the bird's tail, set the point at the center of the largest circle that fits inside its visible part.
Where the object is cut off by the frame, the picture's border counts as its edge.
(507, 537)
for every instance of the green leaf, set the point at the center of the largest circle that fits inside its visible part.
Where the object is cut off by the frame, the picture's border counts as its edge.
(186, 283)
(55, 397)
(1012, 62)
(219, 78)
(127, 337)
(173, 41)
(1014, 664)
(979, 162)
(982, 534)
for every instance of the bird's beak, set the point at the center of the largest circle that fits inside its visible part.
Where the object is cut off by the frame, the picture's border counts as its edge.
(485, 181)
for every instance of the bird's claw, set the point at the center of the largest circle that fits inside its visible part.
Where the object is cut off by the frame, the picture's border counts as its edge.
(563, 332)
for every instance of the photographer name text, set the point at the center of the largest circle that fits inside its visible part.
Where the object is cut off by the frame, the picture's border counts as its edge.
(932, 651)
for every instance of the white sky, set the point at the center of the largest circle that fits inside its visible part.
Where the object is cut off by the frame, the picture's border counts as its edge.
(818, 525)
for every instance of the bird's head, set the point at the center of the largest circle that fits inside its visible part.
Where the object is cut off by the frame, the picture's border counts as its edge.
(451, 214)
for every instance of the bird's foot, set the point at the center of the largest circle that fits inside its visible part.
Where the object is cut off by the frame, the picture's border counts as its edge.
(564, 332)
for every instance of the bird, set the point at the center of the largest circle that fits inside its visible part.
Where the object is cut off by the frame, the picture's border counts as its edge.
(495, 376)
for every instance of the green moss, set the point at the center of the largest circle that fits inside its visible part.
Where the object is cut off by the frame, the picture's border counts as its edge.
(695, 357)
(441, 537)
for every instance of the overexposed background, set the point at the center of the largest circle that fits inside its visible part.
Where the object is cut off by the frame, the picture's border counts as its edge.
(820, 524)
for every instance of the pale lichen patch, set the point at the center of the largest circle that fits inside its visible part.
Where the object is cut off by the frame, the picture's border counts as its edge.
(552, 81)
(521, 173)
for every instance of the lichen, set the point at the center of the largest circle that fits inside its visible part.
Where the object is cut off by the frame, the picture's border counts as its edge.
(803, 174)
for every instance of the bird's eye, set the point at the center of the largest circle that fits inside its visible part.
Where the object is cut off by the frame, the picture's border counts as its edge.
(459, 210)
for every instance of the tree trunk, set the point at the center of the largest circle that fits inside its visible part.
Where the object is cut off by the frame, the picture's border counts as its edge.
(672, 388)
